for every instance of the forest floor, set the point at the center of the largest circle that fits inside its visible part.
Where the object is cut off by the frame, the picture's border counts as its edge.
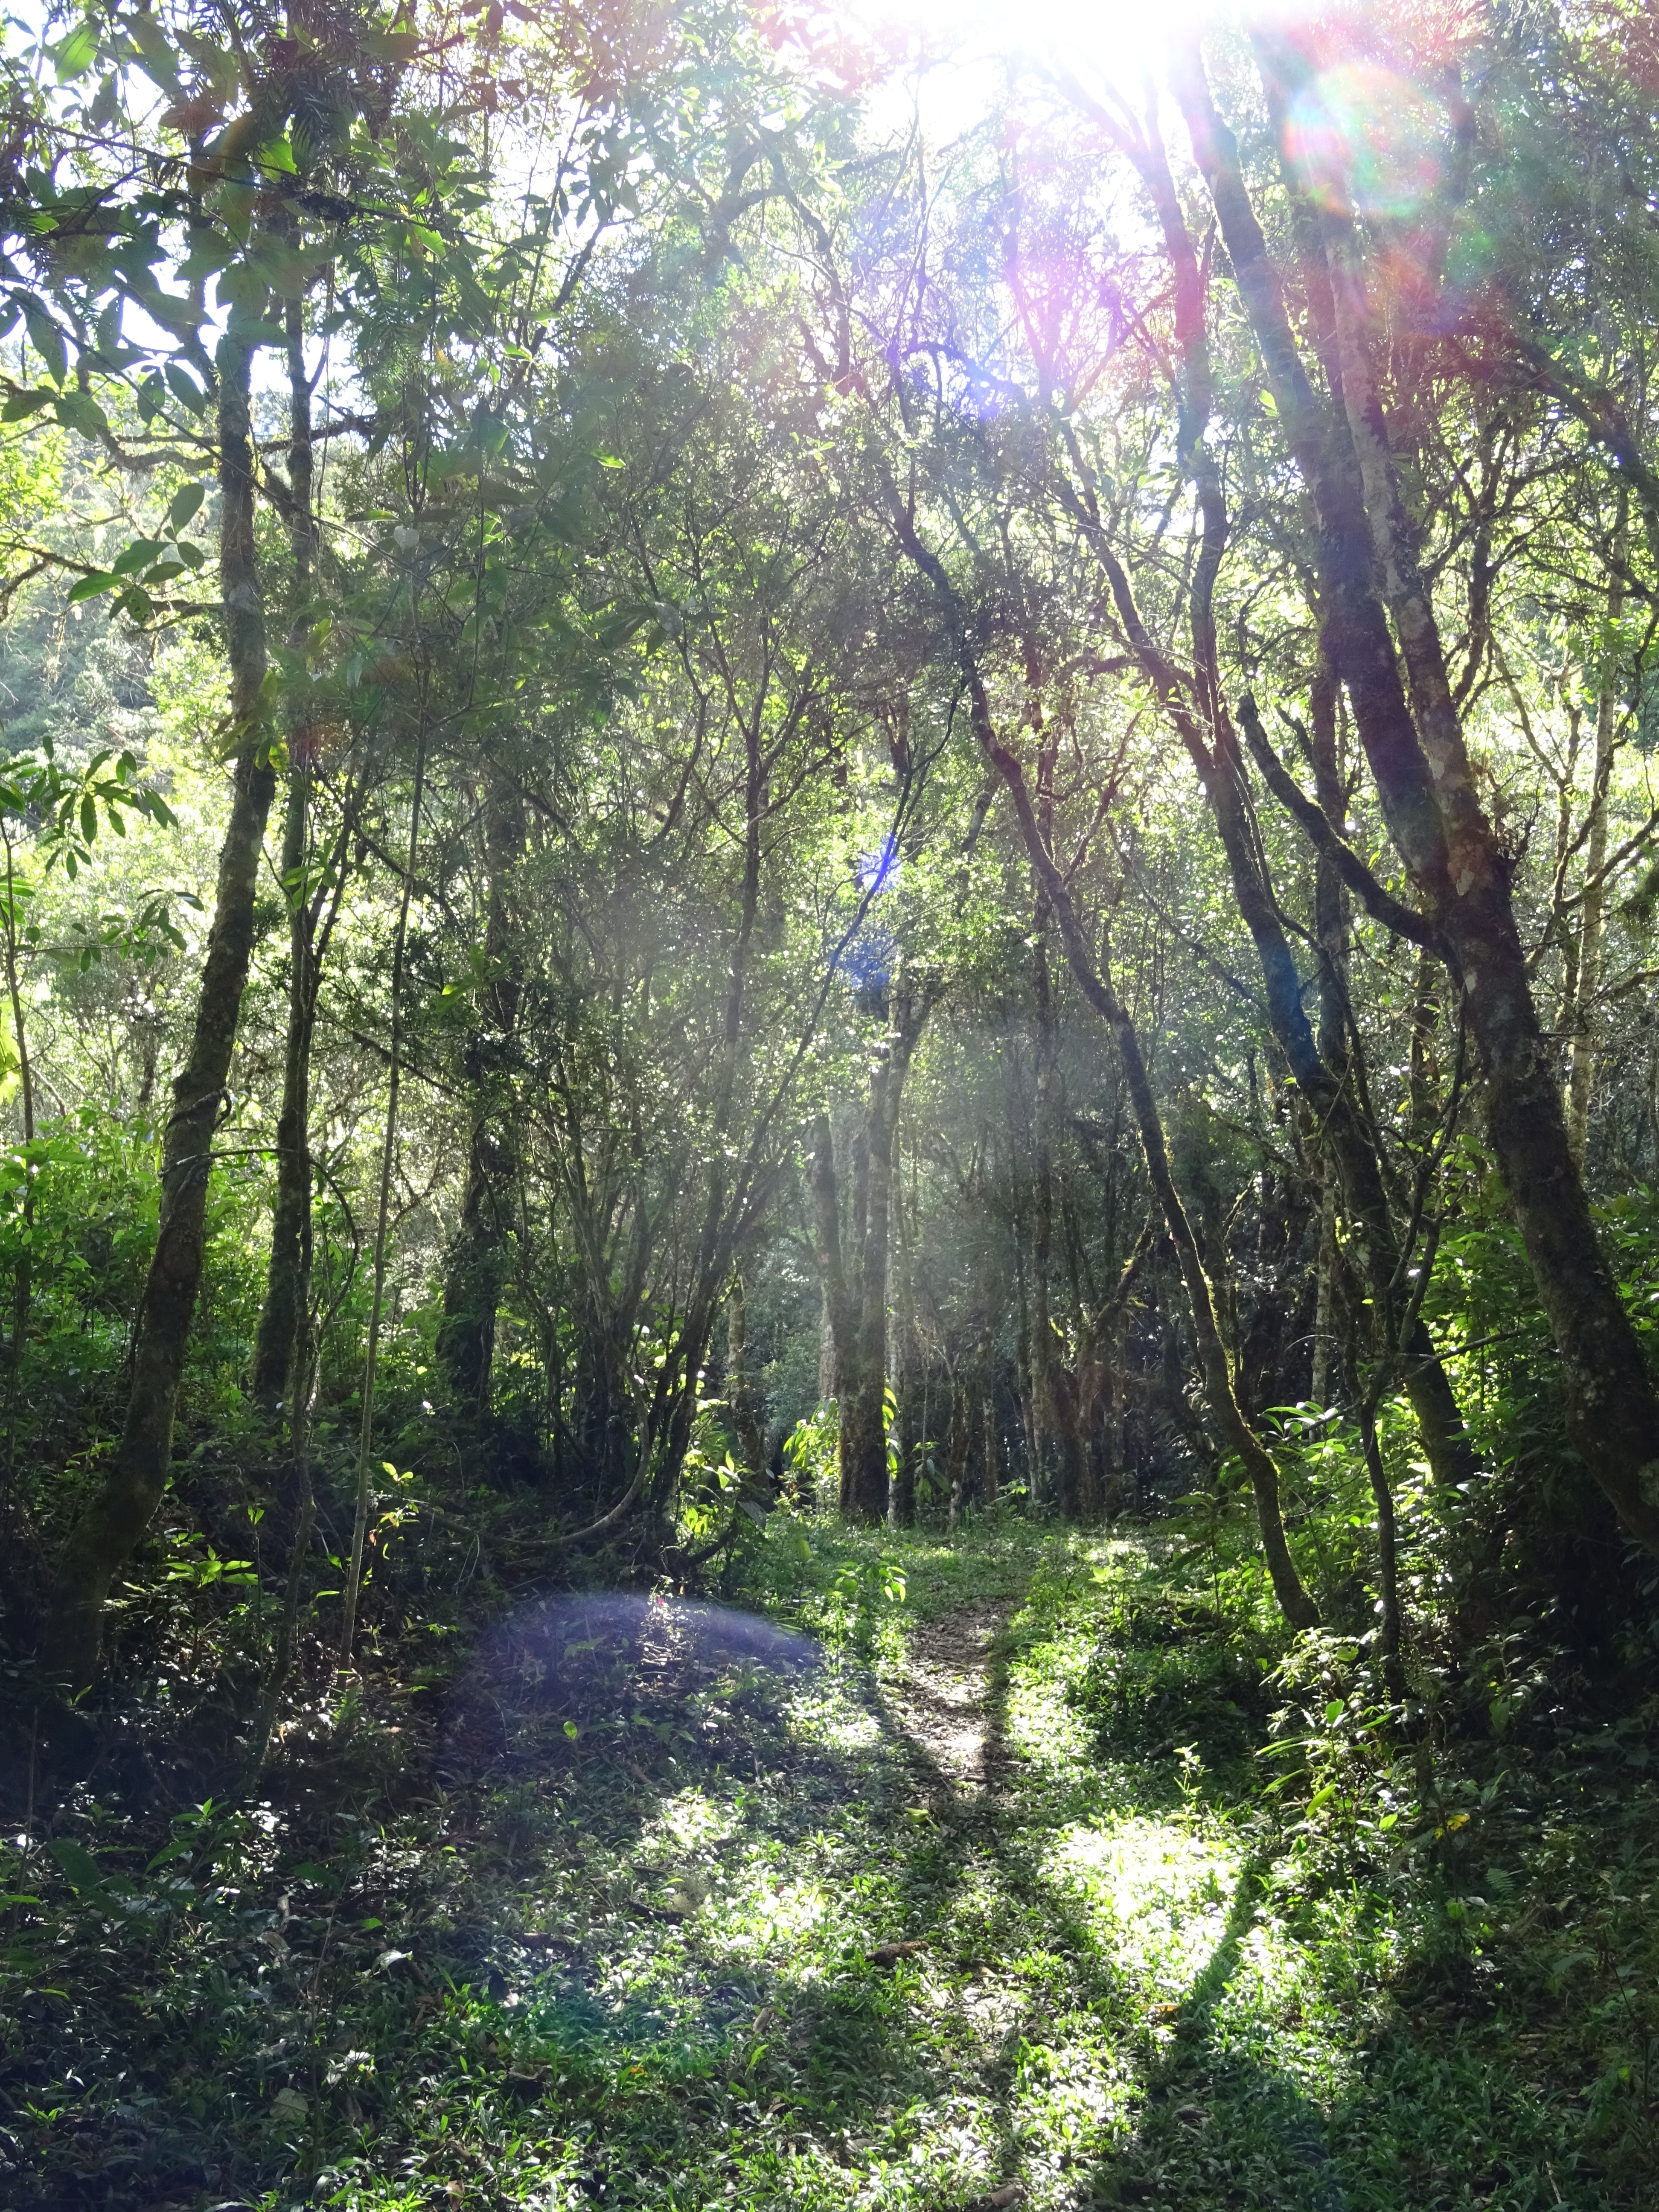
(976, 1897)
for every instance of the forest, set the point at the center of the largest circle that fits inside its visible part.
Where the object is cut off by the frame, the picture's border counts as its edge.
(829, 1064)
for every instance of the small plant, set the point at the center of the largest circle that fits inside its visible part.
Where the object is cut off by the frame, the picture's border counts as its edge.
(810, 1456)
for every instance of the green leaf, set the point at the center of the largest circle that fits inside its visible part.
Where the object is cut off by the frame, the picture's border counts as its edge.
(79, 411)
(398, 47)
(156, 56)
(184, 504)
(241, 286)
(73, 56)
(184, 388)
(78, 1867)
(45, 335)
(23, 404)
(135, 556)
(90, 587)
(88, 818)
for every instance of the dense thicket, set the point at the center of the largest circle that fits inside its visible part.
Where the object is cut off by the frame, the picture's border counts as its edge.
(704, 803)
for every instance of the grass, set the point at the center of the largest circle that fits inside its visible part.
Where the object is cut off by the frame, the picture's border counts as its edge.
(590, 1924)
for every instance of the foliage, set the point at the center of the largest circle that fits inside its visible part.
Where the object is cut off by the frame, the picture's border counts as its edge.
(630, 1944)
(760, 708)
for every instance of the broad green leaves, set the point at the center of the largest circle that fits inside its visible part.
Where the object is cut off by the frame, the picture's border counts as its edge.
(67, 807)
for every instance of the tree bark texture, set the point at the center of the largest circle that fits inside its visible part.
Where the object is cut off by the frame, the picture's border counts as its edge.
(119, 1514)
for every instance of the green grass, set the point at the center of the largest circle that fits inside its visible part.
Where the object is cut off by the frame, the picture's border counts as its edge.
(594, 1930)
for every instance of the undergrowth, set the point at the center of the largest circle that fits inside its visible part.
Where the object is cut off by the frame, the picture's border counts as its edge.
(584, 1915)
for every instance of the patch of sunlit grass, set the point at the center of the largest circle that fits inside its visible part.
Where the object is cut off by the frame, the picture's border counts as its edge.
(1158, 1894)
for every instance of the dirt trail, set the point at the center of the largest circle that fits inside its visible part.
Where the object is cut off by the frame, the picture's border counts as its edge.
(949, 1707)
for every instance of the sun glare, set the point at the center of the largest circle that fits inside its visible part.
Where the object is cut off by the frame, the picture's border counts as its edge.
(958, 52)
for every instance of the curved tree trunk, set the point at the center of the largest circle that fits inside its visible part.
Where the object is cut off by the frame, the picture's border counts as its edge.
(1415, 750)
(1319, 1068)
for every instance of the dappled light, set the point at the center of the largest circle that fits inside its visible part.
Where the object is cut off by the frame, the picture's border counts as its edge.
(829, 1106)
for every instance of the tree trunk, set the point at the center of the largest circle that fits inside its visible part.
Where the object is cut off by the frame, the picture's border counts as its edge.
(287, 1286)
(477, 1265)
(727, 1195)
(838, 1353)
(902, 1490)
(103, 1539)
(1324, 1283)
(1330, 895)
(1581, 1078)
(826, 1349)
(957, 1451)
(1237, 1437)
(1207, 734)
(473, 1279)
(863, 1425)
(1116, 1498)
(1426, 790)
(353, 1585)
(1025, 1389)
(1054, 1389)
(22, 1283)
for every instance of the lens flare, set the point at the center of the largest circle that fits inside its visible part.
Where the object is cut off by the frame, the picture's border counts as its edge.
(558, 1668)
(1368, 138)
